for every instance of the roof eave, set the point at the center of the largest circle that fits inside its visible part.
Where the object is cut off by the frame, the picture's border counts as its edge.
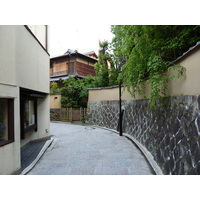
(186, 53)
(64, 55)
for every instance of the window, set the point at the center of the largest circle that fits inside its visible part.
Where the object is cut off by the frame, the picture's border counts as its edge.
(28, 110)
(6, 121)
(28, 115)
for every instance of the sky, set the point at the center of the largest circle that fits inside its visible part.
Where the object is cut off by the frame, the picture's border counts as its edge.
(81, 37)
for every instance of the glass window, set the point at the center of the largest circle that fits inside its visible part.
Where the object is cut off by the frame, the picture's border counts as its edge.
(6, 121)
(29, 113)
(3, 120)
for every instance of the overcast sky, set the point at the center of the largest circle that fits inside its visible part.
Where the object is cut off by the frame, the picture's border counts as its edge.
(81, 37)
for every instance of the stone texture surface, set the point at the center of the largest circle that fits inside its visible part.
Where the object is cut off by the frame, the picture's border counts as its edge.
(85, 150)
(171, 134)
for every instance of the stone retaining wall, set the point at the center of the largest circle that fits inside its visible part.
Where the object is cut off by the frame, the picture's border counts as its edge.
(171, 134)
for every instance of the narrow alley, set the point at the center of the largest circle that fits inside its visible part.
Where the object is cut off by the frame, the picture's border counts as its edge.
(87, 150)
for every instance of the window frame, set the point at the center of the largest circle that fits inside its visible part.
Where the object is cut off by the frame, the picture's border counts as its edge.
(10, 110)
(25, 130)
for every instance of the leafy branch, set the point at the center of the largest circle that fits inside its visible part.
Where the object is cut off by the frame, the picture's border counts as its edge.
(149, 50)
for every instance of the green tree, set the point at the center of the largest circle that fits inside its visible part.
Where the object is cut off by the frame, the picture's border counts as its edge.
(70, 92)
(75, 91)
(147, 52)
(54, 88)
(105, 70)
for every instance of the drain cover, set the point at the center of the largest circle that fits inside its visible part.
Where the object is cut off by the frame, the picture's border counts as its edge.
(90, 128)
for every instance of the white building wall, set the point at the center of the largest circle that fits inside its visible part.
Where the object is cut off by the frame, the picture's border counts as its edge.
(31, 62)
(7, 55)
(23, 63)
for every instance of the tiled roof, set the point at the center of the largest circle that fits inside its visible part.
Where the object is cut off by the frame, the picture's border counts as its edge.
(90, 52)
(71, 52)
(187, 52)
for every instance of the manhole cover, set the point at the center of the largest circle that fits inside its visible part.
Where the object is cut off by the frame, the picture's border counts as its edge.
(90, 128)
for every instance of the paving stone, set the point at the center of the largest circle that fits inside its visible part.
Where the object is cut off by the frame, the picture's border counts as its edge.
(58, 171)
(125, 163)
(81, 171)
(107, 163)
(139, 172)
(39, 171)
(77, 150)
(111, 171)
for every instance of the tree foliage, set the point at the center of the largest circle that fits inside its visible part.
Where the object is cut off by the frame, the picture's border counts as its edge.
(104, 68)
(75, 91)
(54, 88)
(147, 52)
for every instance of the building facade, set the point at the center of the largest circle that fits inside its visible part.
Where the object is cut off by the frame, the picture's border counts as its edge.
(24, 91)
(71, 63)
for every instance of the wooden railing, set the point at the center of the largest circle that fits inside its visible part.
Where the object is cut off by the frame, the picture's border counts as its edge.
(58, 73)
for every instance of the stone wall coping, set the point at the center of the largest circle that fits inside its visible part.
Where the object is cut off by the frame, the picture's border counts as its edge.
(145, 152)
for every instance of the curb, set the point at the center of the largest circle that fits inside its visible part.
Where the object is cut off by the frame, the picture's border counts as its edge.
(44, 148)
(147, 155)
(143, 149)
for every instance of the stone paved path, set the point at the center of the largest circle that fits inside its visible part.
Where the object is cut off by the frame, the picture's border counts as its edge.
(85, 150)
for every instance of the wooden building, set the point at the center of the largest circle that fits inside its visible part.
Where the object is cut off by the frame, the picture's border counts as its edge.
(72, 63)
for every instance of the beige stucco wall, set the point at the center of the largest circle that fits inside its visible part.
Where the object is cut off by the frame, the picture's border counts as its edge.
(190, 84)
(108, 94)
(186, 85)
(23, 63)
(55, 101)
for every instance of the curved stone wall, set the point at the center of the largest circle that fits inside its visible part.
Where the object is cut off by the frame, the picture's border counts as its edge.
(171, 134)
